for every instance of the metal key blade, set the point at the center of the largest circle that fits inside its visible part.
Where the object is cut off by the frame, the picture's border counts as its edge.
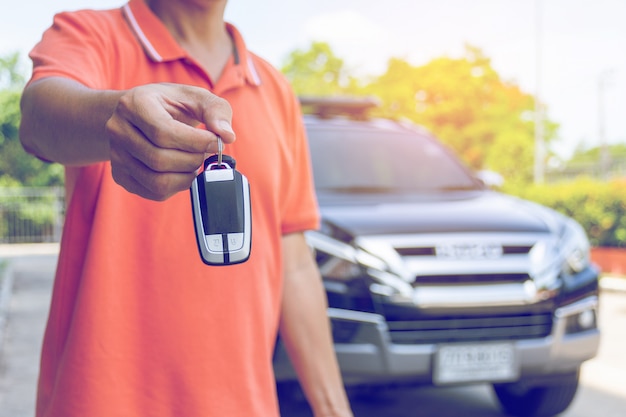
(220, 149)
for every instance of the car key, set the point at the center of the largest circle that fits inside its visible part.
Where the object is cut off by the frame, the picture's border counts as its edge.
(220, 202)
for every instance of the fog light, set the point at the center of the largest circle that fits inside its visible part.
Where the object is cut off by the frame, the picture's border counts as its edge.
(583, 321)
(587, 319)
(344, 331)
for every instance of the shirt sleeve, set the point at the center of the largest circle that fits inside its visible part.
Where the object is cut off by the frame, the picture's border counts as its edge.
(300, 208)
(75, 47)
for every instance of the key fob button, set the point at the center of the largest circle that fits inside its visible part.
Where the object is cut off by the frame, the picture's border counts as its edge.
(215, 243)
(235, 241)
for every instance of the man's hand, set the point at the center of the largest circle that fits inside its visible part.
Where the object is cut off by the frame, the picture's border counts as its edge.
(151, 134)
(156, 144)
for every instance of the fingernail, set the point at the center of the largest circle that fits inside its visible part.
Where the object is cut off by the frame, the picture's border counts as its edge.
(225, 125)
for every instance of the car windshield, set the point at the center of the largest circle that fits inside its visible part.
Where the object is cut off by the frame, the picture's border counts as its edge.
(376, 161)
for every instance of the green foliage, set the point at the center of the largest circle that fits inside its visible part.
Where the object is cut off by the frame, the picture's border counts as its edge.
(16, 166)
(10, 75)
(20, 214)
(318, 71)
(593, 161)
(464, 102)
(9, 115)
(29, 214)
(487, 121)
(599, 206)
(592, 155)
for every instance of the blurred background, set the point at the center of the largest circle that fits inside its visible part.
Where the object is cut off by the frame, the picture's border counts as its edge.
(534, 90)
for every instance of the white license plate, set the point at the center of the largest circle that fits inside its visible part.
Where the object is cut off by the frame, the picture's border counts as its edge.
(487, 362)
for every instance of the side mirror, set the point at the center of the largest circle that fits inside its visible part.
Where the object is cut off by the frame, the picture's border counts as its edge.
(490, 178)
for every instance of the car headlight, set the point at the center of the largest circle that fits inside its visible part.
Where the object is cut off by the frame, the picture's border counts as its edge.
(565, 255)
(340, 261)
(575, 248)
(335, 259)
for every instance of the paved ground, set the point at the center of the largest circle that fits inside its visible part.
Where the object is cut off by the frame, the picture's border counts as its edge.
(24, 314)
(24, 301)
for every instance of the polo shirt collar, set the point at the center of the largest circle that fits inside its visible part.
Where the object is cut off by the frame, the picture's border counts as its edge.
(160, 45)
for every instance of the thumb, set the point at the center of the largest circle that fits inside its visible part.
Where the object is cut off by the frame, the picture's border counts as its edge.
(215, 113)
(222, 128)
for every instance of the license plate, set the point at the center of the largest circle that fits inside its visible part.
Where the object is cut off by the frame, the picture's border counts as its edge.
(493, 362)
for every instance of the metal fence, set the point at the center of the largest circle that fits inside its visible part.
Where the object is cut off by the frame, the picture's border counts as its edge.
(31, 214)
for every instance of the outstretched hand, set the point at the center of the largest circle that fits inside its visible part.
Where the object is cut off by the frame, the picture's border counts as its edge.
(157, 143)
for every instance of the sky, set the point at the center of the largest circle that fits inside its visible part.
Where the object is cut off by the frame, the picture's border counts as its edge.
(572, 54)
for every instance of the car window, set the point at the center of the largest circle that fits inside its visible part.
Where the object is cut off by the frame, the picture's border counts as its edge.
(370, 161)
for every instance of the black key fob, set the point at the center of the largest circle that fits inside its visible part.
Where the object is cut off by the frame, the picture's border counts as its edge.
(220, 201)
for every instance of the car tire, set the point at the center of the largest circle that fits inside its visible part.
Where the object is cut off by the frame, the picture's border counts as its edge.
(523, 400)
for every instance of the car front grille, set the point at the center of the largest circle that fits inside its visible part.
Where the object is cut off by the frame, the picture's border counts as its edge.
(461, 279)
(470, 329)
(428, 250)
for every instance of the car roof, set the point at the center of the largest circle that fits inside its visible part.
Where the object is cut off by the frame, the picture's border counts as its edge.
(352, 113)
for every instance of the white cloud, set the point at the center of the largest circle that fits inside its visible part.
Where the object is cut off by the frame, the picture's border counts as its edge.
(364, 43)
(345, 26)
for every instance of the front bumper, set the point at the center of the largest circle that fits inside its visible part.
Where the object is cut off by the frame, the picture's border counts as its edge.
(371, 357)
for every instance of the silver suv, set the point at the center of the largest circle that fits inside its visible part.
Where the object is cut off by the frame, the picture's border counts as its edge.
(434, 278)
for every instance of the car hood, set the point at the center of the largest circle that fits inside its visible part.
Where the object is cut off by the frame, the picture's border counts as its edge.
(477, 211)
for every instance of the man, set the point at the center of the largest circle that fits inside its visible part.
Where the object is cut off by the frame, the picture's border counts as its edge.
(132, 101)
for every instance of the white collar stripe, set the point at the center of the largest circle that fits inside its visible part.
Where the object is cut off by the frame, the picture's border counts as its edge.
(150, 50)
(253, 71)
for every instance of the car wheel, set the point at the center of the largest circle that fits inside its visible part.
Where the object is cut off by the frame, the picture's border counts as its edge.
(522, 400)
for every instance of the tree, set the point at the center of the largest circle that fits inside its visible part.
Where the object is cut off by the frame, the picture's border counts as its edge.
(317, 71)
(16, 166)
(464, 102)
(486, 120)
(10, 76)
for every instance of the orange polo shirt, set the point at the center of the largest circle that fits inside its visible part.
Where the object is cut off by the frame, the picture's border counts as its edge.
(138, 325)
